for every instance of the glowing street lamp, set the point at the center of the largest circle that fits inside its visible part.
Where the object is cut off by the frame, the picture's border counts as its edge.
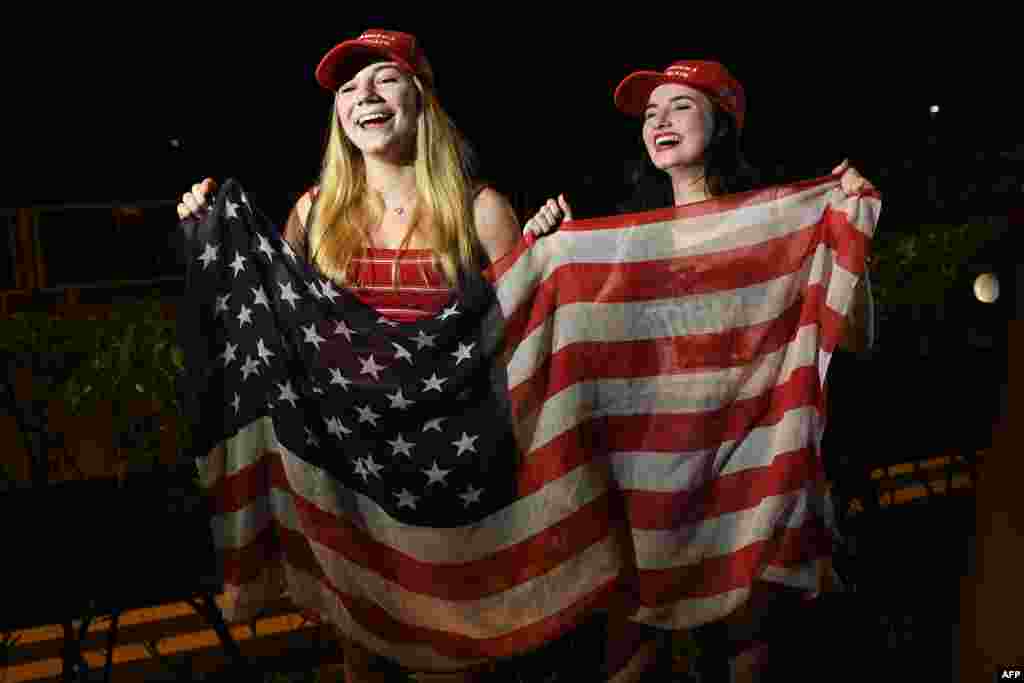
(986, 287)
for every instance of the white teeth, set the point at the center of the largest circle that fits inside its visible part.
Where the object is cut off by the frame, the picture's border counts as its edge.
(370, 118)
(662, 142)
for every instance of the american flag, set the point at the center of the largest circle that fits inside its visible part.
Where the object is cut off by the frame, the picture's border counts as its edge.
(626, 414)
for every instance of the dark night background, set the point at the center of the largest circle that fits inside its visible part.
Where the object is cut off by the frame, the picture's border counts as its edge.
(96, 103)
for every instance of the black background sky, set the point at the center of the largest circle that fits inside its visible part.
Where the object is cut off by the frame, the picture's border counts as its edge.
(96, 102)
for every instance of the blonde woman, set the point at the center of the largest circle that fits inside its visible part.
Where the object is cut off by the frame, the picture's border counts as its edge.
(395, 216)
(393, 185)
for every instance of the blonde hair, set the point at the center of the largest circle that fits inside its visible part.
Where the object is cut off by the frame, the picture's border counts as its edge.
(337, 228)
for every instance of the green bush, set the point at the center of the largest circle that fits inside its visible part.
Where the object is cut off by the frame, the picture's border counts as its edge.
(920, 266)
(130, 358)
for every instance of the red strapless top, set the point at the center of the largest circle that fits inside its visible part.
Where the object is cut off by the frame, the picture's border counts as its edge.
(422, 292)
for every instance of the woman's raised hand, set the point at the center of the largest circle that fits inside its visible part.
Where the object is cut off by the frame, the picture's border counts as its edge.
(193, 204)
(548, 217)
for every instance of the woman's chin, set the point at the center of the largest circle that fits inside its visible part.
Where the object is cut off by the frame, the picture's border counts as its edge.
(670, 164)
(391, 151)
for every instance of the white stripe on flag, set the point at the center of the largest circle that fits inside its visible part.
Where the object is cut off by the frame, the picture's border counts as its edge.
(672, 317)
(719, 536)
(681, 471)
(514, 524)
(685, 393)
(524, 604)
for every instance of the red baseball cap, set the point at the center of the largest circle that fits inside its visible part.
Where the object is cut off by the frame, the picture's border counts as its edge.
(711, 78)
(345, 59)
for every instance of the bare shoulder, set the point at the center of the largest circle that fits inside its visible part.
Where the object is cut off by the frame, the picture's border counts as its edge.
(295, 228)
(304, 204)
(496, 224)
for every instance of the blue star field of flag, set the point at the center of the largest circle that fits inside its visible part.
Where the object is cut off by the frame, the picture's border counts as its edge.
(413, 415)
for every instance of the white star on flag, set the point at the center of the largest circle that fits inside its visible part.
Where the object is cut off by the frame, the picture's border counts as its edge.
(433, 424)
(360, 468)
(312, 337)
(288, 294)
(236, 403)
(310, 439)
(251, 367)
(399, 401)
(344, 329)
(367, 415)
(209, 255)
(448, 312)
(471, 495)
(313, 290)
(436, 474)
(337, 378)
(244, 316)
(434, 382)
(466, 443)
(286, 393)
(400, 445)
(266, 247)
(370, 367)
(336, 427)
(245, 200)
(372, 467)
(229, 353)
(423, 339)
(406, 499)
(238, 265)
(327, 290)
(260, 297)
(232, 209)
(463, 352)
(263, 352)
(222, 304)
(401, 352)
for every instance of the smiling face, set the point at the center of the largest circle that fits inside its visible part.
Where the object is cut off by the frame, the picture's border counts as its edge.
(378, 109)
(678, 124)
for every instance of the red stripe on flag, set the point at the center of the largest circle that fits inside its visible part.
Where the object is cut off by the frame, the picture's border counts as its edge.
(673, 277)
(724, 494)
(665, 432)
(697, 431)
(380, 622)
(716, 575)
(670, 355)
(583, 284)
(720, 271)
(558, 457)
(850, 244)
(705, 274)
(232, 492)
(497, 572)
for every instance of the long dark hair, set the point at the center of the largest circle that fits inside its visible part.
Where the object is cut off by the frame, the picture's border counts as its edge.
(727, 171)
